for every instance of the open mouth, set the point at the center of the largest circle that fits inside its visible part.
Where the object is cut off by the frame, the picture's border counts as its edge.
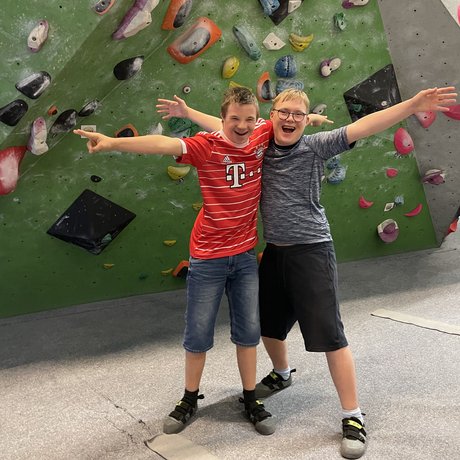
(245, 133)
(288, 129)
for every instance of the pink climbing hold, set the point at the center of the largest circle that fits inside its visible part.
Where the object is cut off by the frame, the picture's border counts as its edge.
(391, 172)
(10, 159)
(426, 119)
(434, 176)
(403, 142)
(388, 230)
(363, 203)
(453, 112)
(414, 211)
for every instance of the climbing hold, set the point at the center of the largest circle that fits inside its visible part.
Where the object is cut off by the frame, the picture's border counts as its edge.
(363, 203)
(319, 109)
(178, 125)
(388, 230)
(352, 3)
(186, 89)
(247, 41)
(102, 6)
(391, 172)
(95, 178)
(34, 85)
(286, 83)
(197, 206)
(265, 92)
(38, 36)
(181, 270)
(108, 266)
(37, 141)
(230, 67)
(300, 43)
(414, 211)
(64, 122)
(339, 21)
(453, 112)
(178, 11)
(272, 42)
(293, 5)
(169, 242)
(333, 162)
(128, 68)
(11, 113)
(178, 172)
(136, 19)
(127, 131)
(426, 119)
(53, 110)
(194, 41)
(328, 66)
(403, 141)
(157, 129)
(89, 108)
(10, 159)
(388, 207)
(399, 200)
(434, 176)
(167, 271)
(269, 6)
(286, 67)
(337, 175)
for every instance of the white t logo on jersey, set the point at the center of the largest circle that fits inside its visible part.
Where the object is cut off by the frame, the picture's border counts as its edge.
(235, 173)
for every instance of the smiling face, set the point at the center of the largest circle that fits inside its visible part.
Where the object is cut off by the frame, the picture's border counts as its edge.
(288, 132)
(239, 122)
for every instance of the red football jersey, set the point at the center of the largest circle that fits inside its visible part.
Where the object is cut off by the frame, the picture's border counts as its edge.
(230, 182)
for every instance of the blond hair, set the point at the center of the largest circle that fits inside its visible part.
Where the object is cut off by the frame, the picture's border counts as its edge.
(291, 94)
(238, 95)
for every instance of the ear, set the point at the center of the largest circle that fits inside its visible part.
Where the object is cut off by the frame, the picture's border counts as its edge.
(308, 121)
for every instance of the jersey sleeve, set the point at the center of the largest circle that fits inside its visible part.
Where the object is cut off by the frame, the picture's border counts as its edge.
(327, 144)
(197, 150)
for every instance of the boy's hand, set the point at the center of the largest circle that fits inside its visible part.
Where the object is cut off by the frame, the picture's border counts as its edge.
(434, 99)
(96, 142)
(317, 120)
(177, 108)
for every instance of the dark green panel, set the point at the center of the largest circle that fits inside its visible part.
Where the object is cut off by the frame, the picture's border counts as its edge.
(38, 272)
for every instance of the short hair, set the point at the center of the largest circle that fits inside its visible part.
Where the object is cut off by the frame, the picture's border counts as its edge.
(238, 95)
(291, 94)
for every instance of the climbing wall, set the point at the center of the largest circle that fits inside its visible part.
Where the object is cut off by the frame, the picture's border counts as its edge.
(39, 271)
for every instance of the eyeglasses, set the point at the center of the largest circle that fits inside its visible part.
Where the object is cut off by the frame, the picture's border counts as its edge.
(284, 115)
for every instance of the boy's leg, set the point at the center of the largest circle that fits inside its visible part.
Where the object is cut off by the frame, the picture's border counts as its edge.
(194, 366)
(247, 363)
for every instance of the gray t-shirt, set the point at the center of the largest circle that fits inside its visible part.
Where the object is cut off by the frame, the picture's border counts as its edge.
(291, 188)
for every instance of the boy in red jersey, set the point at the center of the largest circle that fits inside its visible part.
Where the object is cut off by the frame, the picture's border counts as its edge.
(222, 257)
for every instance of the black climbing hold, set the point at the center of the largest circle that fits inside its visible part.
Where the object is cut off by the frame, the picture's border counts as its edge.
(34, 85)
(182, 14)
(89, 108)
(11, 113)
(128, 68)
(65, 122)
(96, 178)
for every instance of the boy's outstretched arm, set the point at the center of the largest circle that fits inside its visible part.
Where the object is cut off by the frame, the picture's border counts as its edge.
(152, 144)
(179, 108)
(433, 99)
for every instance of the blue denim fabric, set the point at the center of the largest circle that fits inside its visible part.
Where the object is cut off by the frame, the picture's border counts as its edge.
(207, 280)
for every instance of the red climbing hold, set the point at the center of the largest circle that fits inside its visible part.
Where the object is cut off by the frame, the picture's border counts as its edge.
(10, 159)
(391, 172)
(403, 142)
(426, 119)
(414, 211)
(363, 203)
(453, 112)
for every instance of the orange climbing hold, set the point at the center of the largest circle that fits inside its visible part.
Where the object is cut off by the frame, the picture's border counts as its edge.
(178, 11)
(195, 41)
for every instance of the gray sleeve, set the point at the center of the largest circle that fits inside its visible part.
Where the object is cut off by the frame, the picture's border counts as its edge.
(327, 144)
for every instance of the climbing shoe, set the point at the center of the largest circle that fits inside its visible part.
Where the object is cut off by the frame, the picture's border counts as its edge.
(263, 421)
(354, 438)
(272, 383)
(178, 419)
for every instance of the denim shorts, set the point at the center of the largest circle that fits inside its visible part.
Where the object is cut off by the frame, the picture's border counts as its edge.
(207, 280)
(299, 283)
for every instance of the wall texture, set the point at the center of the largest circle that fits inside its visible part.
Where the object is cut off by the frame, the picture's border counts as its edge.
(39, 272)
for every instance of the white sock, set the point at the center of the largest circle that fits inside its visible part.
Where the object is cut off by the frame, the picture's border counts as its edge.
(353, 413)
(285, 373)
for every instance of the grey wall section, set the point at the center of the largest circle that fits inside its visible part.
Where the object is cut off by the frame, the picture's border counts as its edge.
(423, 41)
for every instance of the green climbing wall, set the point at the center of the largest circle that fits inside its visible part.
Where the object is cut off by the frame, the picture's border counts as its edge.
(39, 272)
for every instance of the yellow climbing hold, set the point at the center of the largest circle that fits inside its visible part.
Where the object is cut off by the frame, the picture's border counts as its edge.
(299, 43)
(167, 272)
(169, 242)
(108, 266)
(230, 67)
(197, 206)
(176, 172)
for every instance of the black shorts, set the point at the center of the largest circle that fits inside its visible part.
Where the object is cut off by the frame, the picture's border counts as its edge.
(299, 283)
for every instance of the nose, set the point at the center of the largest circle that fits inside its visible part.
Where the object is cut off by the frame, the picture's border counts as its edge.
(290, 114)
